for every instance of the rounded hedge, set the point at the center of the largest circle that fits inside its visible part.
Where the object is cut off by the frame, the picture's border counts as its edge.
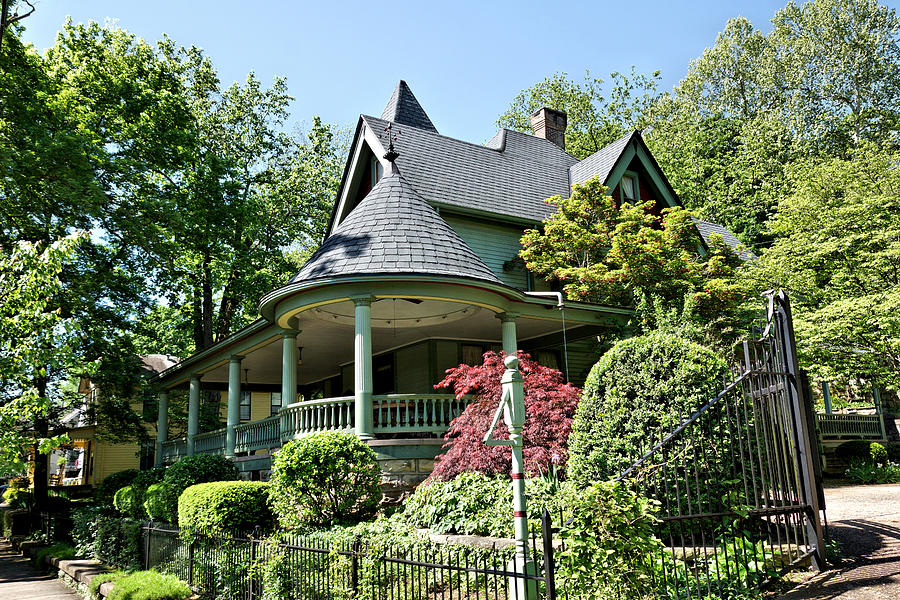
(126, 500)
(191, 470)
(224, 508)
(156, 502)
(112, 483)
(640, 385)
(324, 479)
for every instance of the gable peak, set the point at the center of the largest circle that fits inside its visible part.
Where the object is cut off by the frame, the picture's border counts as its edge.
(404, 109)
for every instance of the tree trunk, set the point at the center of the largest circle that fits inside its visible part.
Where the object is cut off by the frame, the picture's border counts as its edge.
(41, 461)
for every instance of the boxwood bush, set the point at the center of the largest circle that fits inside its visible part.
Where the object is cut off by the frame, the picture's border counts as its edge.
(640, 385)
(113, 483)
(191, 470)
(155, 502)
(224, 507)
(324, 479)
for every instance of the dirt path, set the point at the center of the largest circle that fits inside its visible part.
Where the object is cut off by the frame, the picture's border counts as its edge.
(865, 520)
(20, 581)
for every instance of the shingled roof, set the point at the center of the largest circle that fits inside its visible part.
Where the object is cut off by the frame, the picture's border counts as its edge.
(513, 177)
(602, 161)
(404, 109)
(707, 230)
(394, 230)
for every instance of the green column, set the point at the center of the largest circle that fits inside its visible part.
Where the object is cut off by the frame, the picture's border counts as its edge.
(826, 395)
(288, 366)
(162, 425)
(193, 412)
(234, 403)
(362, 367)
(508, 332)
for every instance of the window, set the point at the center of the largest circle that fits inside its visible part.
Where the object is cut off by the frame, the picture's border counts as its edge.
(376, 171)
(628, 188)
(275, 402)
(245, 405)
(472, 355)
(547, 358)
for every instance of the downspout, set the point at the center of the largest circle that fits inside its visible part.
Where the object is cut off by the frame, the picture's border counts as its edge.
(561, 305)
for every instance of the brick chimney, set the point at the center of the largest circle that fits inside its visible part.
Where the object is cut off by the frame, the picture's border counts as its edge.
(550, 124)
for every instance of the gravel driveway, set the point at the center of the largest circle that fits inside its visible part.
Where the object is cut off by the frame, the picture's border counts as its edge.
(865, 520)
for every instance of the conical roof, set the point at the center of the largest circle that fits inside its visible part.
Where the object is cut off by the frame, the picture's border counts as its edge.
(394, 230)
(404, 109)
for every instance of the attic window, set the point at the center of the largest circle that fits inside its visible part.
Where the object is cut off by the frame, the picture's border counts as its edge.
(628, 188)
(376, 170)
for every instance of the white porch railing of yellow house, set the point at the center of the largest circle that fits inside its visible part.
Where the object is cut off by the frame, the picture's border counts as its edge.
(392, 414)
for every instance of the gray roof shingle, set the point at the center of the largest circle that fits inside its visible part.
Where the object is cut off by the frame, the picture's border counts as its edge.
(707, 230)
(512, 176)
(404, 109)
(394, 230)
(600, 162)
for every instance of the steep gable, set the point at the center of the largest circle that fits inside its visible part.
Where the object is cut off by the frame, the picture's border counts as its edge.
(404, 109)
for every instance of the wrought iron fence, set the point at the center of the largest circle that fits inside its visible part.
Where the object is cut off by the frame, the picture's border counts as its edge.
(737, 482)
(244, 566)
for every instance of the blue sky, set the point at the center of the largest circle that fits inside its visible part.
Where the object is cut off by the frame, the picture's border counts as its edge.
(465, 61)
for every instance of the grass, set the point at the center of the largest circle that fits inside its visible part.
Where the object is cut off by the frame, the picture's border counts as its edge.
(149, 585)
(60, 550)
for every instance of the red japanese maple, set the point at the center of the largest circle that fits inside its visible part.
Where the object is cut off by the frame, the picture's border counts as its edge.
(550, 407)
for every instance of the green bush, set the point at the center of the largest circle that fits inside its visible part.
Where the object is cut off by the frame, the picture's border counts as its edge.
(641, 385)
(475, 504)
(18, 497)
(98, 580)
(326, 478)
(155, 502)
(84, 529)
(59, 550)
(191, 470)
(866, 471)
(609, 538)
(125, 501)
(113, 483)
(878, 453)
(224, 507)
(149, 585)
(118, 542)
(853, 449)
(141, 484)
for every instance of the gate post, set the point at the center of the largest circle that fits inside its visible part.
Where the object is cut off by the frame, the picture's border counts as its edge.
(785, 325)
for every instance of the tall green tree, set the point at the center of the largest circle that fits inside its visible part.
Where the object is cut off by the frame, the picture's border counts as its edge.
(838, 254)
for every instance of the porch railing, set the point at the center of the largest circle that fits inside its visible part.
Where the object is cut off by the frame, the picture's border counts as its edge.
(258, 435)
(210, 442)
(416, 413)
(304, 418)
(172, 450)
(839, 426)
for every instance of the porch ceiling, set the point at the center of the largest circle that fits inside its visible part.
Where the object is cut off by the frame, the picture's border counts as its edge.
(327, 335)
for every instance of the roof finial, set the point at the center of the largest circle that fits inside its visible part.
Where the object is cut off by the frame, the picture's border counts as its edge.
(391, 154)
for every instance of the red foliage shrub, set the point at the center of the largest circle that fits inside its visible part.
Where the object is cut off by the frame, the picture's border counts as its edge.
(549, 404)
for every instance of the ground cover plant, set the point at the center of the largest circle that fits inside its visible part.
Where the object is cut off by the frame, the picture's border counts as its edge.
(98, 580)
(873, 467)
(149, 585)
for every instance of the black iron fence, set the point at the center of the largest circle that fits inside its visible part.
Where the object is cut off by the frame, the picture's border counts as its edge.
(247, 566)
(737, 481)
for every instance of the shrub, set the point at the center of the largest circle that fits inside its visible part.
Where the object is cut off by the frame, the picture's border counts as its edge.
(155, 502)
(475, 504)
(18, 498)
(84, 529)
(118, 542)
(853, 449)
(140, 485)
(113, 483)
(640, 386)
(126, 500)
(878, 453)
(865, 471)
(59, 550)
(149, 585)
(550, 404)
(98, 580)
(609, 538)
(224, 507)
(326, 478)
(191, 470)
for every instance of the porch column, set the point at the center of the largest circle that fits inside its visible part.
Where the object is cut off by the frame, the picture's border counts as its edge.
(508, 332)
(193, 412)
(234, 403)
(362, 367)
(162, 425)
(826, 395)
(288, 366)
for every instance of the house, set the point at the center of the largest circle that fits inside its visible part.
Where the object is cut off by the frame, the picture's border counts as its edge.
(88, 458)
(418, 272)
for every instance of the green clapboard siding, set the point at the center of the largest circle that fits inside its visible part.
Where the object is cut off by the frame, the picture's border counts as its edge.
(412, 370)
(446, 357)
(495, 245)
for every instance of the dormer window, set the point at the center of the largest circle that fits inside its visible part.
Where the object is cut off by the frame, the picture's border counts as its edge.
(376, 170)
(628, 188)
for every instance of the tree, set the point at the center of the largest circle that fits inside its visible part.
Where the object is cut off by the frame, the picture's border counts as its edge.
(630, 255)
(593, 120)
(36, 343)
(549, 405)
(838, 254)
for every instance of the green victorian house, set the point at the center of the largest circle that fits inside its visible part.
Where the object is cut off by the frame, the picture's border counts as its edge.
(419, 272)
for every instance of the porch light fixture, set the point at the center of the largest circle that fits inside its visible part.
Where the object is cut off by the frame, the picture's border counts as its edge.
(299, 355)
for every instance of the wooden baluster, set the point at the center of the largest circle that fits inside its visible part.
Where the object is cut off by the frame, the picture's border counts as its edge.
(415, 422)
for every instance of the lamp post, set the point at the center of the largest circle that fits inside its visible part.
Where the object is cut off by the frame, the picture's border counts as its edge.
(512, 409)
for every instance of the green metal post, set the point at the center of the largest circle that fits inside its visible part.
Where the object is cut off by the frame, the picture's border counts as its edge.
(826, 395)
(508, 332)
(362, 367)
(162, 425)
(193, 412)
(879, 411)
(288, 367)
(234, 403)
